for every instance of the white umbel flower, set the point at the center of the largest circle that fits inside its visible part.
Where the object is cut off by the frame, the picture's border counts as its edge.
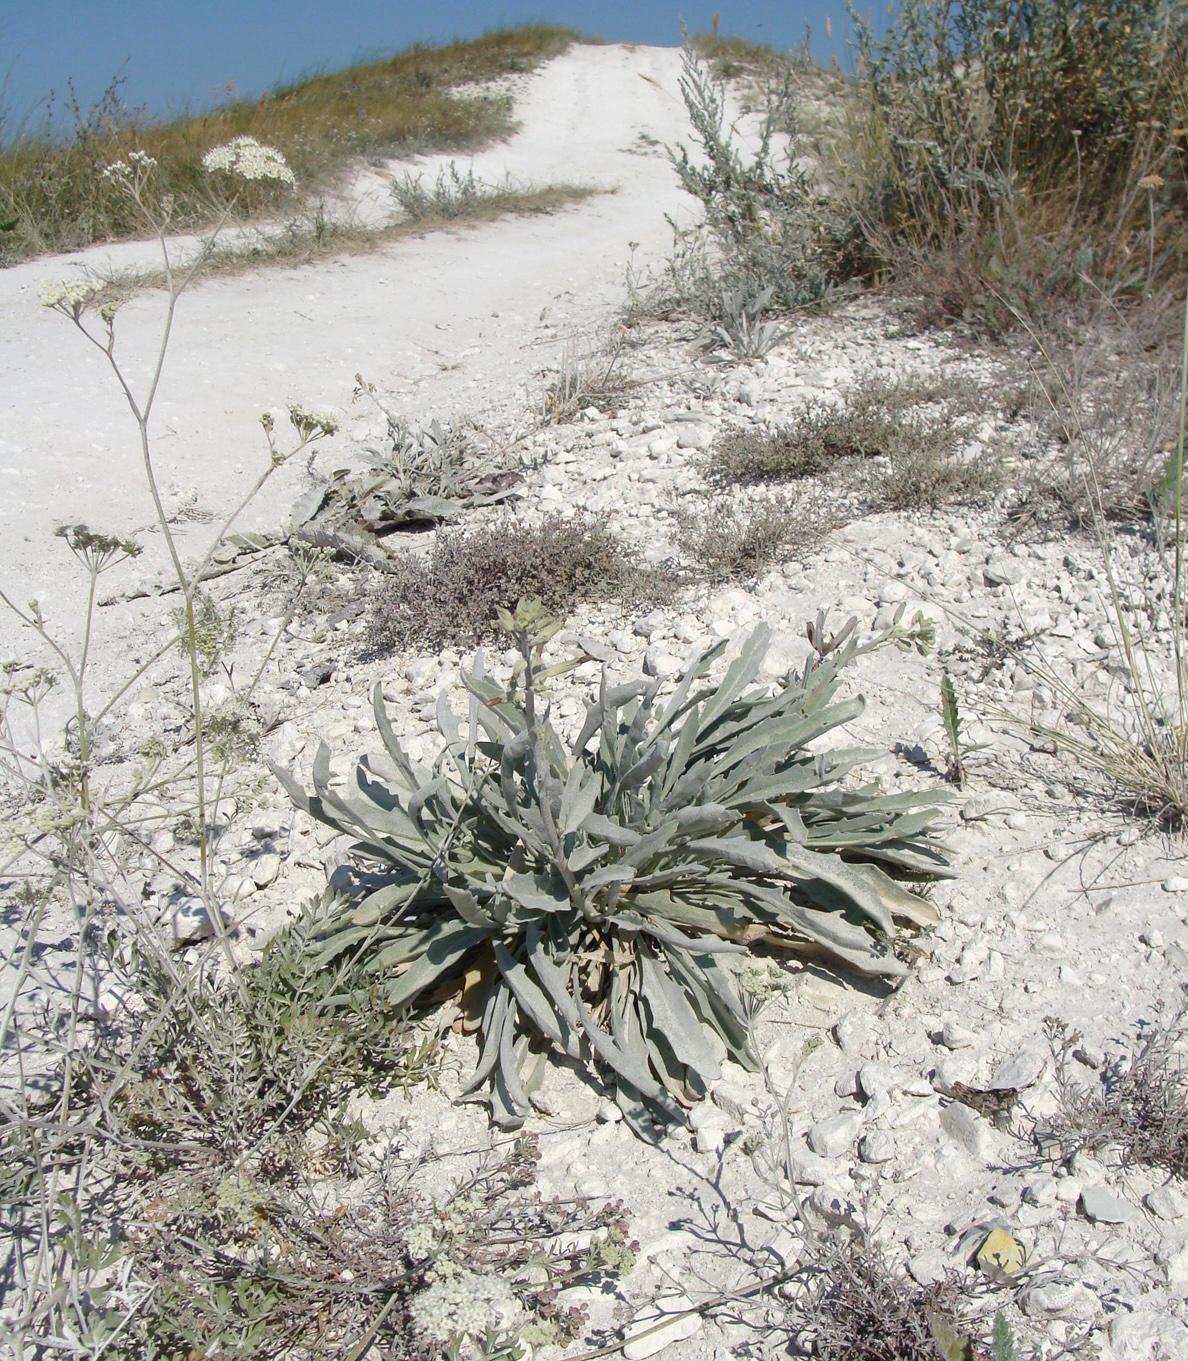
(70, 295)
(249, 160)
(130, 172)
(463, 1304)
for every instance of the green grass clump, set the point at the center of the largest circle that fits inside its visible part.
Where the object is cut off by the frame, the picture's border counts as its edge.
(52, 196)
(731, 57)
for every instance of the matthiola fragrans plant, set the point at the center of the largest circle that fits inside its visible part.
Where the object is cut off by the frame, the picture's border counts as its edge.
(592, 898)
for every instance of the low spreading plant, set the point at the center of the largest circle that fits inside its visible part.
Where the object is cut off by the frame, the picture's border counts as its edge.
(453, 596)
(590, 898)
(246, 1268)
(859, 1307)
(255, 1052)
(410, 478)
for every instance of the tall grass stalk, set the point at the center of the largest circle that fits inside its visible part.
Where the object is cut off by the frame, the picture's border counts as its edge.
(1132, 742)
(1178, 503)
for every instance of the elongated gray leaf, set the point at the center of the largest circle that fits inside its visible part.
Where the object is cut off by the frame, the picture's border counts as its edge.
(535, 1003)
(620, 1060)
(608, 874)
(496, 1014)
(669, 935)
(468, 908)
(741, 672)
(536, 892)
(673, 1016)
(843, 939)
(579, 799)
(595, 824)
(447, 944)
(583, 857)
(703, 818)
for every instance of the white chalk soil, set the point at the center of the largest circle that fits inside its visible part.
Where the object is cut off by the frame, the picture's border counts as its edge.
(1063, 906)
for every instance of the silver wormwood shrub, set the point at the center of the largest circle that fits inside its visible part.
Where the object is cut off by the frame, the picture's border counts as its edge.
(594, 898)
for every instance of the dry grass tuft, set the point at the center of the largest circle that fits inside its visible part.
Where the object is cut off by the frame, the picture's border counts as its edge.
(899, 442)
(731, 540)
(594, 378)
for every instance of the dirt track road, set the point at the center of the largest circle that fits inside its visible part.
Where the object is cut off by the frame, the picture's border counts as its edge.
(456, 321)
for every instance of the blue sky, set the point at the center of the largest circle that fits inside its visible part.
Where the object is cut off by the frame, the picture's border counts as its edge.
(179, 55)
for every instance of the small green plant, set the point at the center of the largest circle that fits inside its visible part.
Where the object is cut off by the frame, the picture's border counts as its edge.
(956, 771)
(954, 1345)
(1002, 1340)
(587, 897)
(281, 1039)
(741, 331)
(766, 232)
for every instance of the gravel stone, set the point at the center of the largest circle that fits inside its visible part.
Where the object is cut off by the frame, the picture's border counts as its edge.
(834, 1137)
(1104, 1207)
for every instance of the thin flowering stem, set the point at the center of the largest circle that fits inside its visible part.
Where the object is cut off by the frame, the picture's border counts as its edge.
(1178, 469)
(141, 412)
(246, 159)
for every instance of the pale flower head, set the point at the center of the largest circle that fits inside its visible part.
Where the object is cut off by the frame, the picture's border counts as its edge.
(70, 295)
(760, 981)
(463, 1305)
(249, 160)
(132, 172)
(312, 422)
